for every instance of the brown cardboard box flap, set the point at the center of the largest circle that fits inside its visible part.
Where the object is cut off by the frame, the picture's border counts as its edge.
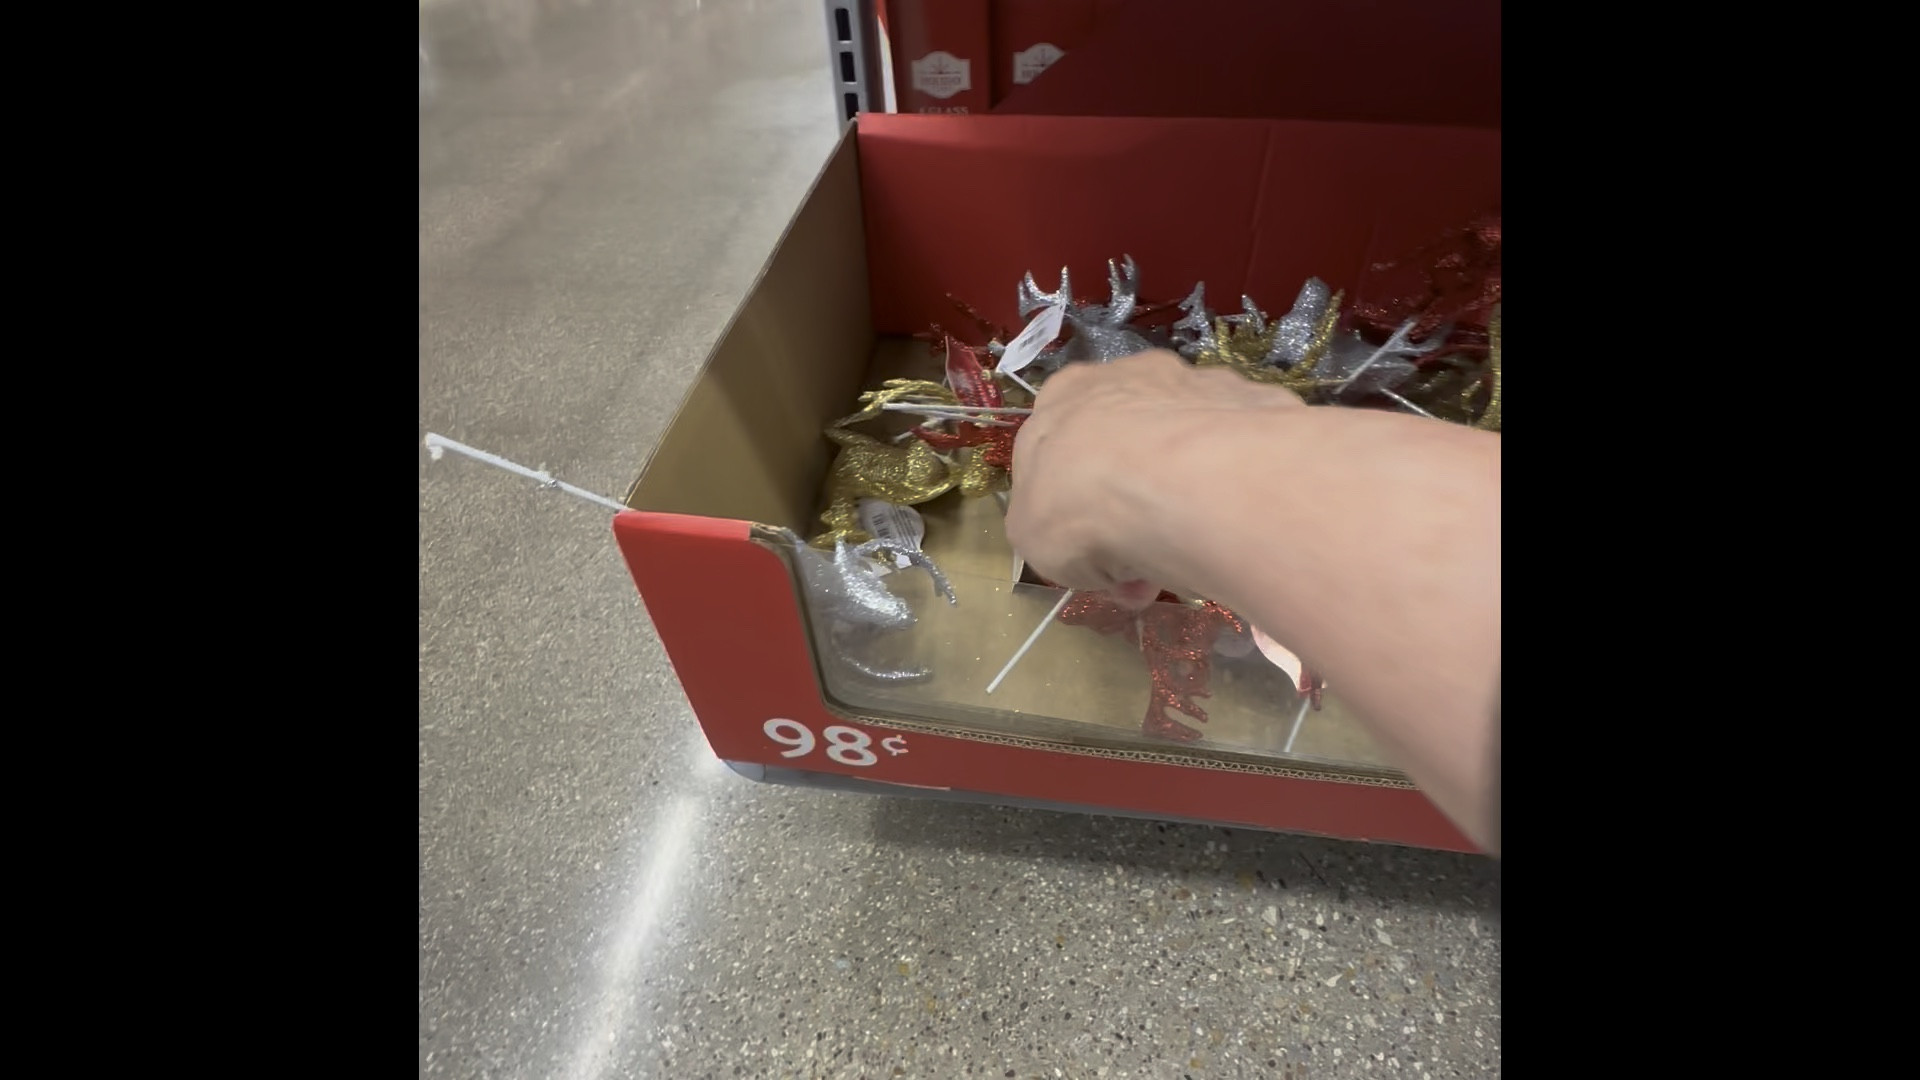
(746, 442)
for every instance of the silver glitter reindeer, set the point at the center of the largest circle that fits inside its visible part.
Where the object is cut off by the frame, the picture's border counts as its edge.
(1359, 368)
(850, 597)
(1193, 332)
(1101, 332)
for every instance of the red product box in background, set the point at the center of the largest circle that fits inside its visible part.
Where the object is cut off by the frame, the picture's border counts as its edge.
(941, 52)
(1029, 35)
(1369, 61)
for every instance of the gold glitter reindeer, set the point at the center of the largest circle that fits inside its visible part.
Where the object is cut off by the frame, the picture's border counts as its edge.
(1490, 419)
(867, 468)
(1244, 345)
(1455, 390)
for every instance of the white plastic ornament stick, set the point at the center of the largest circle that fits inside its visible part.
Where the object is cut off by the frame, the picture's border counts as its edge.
(1306, 701)
(1395, 343)
(1031, 638)
(437, 444)
(941, 412)
(981, 410)
(1409, 404)
(1019, 564)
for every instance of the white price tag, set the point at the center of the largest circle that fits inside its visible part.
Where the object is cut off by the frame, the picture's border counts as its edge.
(901, 525)
(1275, 652)
(1037, 336)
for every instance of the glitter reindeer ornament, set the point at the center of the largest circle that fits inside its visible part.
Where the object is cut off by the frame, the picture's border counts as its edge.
(1099, 332)
(849, 595)
(991, 436)
(1303, 351)
(1176, 637)
(867, 468)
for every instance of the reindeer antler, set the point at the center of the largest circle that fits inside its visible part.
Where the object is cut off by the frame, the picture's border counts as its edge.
(1124, 285)
(876, 548)
(1032, 299)
(1193, 331)
(1294, 334)
(1250, 316)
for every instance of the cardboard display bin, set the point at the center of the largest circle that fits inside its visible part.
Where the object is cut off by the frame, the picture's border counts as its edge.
(909, 211)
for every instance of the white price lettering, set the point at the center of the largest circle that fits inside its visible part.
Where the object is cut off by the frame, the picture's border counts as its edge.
(846, 745)
(801, 738)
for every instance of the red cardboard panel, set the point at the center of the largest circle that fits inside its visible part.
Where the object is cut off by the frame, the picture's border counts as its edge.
(726, 611)
(1382, 61)
(966, 205)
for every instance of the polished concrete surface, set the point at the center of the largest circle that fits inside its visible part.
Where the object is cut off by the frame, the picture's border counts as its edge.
(599, 182)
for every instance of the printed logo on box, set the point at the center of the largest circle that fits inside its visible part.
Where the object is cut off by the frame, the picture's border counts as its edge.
(942, 75)
(1029, 63)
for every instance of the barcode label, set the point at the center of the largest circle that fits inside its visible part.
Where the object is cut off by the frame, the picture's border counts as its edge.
(900, 525)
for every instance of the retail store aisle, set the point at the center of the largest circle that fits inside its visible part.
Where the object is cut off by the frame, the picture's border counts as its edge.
(599, 181)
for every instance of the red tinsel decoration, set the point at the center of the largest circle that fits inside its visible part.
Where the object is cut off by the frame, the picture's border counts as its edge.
(1176, 638)
(974, 386)
(1455, 279)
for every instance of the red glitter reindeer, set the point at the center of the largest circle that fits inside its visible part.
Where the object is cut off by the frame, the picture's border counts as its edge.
(993, 442)
(1177, 639)
(1455, 280)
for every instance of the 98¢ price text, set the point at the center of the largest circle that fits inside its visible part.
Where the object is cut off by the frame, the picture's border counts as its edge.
(844, 744)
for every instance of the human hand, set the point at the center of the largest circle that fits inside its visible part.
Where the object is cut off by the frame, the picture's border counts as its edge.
(1092, 462)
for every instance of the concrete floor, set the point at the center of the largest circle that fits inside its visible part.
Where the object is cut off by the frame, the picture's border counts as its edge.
(599, 181)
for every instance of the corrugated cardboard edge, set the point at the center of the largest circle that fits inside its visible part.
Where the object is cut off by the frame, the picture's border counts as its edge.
(1216, 760)
(1116, 754)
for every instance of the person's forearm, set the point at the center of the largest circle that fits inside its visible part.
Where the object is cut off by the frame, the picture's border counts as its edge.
(1376, 557)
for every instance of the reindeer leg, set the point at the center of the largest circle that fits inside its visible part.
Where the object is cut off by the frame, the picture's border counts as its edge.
(849, 657)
